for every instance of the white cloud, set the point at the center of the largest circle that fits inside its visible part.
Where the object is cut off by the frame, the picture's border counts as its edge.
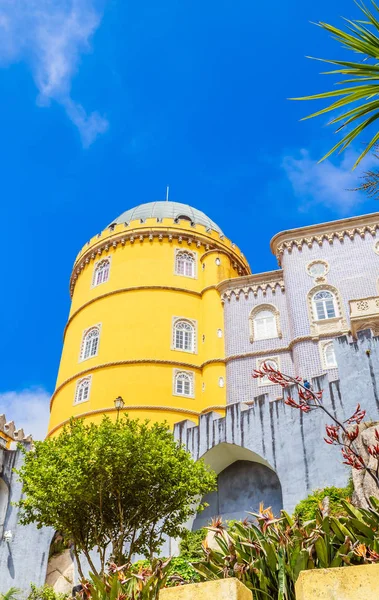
(29, 409)
(327, 184)
(50, 35)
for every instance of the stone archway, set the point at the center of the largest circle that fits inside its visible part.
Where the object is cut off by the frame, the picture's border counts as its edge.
(244, 481)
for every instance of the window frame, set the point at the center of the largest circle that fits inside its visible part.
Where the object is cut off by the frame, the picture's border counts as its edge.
(191, 376)
(179, 251)
(323, 346)
(193, 324)
(80, 382)
(324, 301)
(258, 308)
(95, 271)
(262, 382)
(85, 333)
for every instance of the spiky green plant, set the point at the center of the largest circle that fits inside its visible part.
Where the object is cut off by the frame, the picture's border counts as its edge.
(361, 95)
(11, 594)
(268, 554)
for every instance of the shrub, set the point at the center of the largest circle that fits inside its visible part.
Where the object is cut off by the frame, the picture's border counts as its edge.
(45, 592)
(190, 545)
(306, 509)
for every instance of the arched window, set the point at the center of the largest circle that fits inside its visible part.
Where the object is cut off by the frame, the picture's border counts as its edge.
(90, 343)
(184, 336)
(272, 362)
(329, 356)
(101, 272)
(185, 263)
(265, 326)
(324, 305)
(183, 383)
(82, 390)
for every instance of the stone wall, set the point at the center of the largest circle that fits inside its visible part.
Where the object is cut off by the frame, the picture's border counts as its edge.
(288, 441)
(24, 559)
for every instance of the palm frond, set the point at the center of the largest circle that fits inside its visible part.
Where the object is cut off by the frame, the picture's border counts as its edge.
(362, 37)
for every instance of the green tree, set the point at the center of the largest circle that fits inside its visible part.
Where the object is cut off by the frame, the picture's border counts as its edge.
(112, 486)
(356, 99)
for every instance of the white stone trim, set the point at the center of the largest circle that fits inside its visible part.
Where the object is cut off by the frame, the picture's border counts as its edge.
(96, 264)
(84, 334)
(256, 310)
(192, 322)
(195, 261)
(376, 246)
(259, 363)
(79, 382)
(317, 278)
(191, 375)
(322, 346)
(337, 324)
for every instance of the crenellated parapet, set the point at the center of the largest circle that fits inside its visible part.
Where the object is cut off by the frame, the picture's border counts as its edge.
(285, 439)
(9, 433)
(195, 236)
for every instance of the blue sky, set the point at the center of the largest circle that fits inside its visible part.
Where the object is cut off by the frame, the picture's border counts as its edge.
(105, 103)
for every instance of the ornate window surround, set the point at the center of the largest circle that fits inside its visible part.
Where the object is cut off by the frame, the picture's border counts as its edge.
(261, 381)
(259, 308)
(322, 347)
(82, 345)
(191, 376)
(195, 261)
(79, 384)
(193, 323)
(334, 325)
(95, 268)
(317, 278)
(376, 247)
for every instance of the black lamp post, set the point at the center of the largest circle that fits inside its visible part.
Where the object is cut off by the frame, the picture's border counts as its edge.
(119, 405)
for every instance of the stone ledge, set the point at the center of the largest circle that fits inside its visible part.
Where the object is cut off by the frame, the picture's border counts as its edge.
(221, 589)
(344, 583)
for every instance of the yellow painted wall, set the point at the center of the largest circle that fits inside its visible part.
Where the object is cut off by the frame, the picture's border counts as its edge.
(135, 309)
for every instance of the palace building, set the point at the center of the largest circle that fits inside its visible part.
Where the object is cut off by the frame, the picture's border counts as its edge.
(166, 314)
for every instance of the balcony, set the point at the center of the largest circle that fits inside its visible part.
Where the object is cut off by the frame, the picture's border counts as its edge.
(364, 314)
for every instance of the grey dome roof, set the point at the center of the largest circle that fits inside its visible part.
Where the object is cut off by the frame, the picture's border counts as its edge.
(172, 210)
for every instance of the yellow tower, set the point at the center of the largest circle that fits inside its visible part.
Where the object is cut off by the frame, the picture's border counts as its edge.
(146, 320)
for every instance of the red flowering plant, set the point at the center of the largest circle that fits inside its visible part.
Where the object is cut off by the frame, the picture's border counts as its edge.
(338, 433)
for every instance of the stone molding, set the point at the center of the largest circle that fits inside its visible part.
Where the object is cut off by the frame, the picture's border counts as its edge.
(257, 309)
(251, 283)
(151, 234)
(141, 361)
(269, 351)
(136, 289)
(364, 314)
(332, 326)
(331, 231)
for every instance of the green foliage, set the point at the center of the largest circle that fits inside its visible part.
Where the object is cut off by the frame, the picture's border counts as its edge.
(190, 544)
(307, 509)
(45, 592)
(358, 92)
(127, 583)
(268, 555)
(180, 570)
(111, 485)
(11, 594)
